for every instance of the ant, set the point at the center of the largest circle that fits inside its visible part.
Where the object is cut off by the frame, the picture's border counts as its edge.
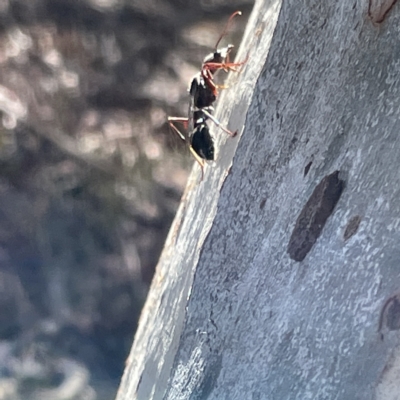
(203, 93)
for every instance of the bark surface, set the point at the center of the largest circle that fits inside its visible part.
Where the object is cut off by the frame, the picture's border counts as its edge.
(280, 276)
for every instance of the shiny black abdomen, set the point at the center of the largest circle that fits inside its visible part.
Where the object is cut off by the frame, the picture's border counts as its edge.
(202, 142)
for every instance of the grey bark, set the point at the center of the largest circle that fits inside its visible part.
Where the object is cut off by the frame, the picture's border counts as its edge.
(280, 276)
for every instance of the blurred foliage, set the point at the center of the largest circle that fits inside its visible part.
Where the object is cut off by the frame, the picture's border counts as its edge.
(90, 178)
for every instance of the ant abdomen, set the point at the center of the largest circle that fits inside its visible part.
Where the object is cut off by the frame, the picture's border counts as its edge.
(202, 142)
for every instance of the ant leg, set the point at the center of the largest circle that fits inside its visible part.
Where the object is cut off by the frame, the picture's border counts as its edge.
(225, 86)
(184, 121)
(226, 66)
(171, 122)
(216, 122)
(231, 66)
(225, 31)
(228, 60)
(209, 80)
(199, 160)
(208, 76)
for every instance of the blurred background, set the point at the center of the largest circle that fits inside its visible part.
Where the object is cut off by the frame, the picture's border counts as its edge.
(90, 177)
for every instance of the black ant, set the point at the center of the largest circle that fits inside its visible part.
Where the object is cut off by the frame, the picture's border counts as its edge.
(203, 93)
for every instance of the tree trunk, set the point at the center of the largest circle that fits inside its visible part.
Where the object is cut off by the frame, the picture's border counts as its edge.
(280, 278)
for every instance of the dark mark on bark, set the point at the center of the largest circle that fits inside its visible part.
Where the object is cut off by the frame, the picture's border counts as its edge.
(352, 227)
(140, 381)
(390, 315)
(209, 379)
(378, 9)
(307, 168)
(314, 215)
(262, 204)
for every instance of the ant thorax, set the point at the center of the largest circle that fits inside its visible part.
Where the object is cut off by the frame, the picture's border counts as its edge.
(202, 94)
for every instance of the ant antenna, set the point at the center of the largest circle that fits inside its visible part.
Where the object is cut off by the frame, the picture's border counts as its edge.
(224, 32)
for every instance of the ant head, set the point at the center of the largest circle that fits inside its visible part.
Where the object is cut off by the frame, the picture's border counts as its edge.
(223, 53)
(219, 55)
